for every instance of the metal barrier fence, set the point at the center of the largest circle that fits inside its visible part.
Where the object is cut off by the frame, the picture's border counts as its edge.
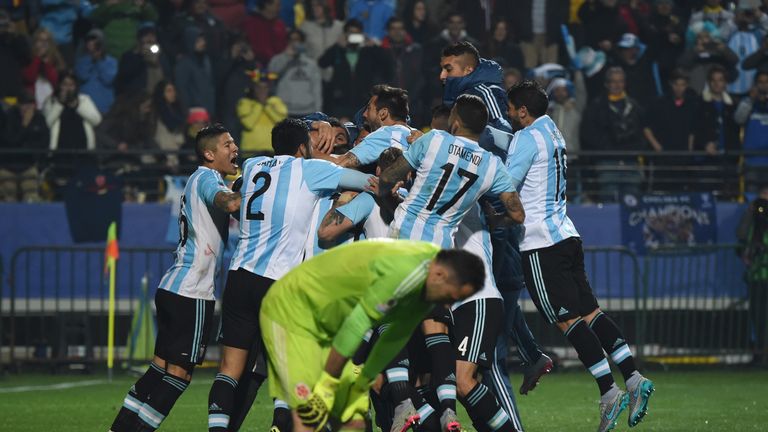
(683, 305)
(695, 306)
(54, 311)
(595, 176)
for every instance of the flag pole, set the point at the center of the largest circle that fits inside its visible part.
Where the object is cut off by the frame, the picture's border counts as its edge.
(111, 255)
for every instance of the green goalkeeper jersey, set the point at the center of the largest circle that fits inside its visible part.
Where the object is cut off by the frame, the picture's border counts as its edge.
(336, 297)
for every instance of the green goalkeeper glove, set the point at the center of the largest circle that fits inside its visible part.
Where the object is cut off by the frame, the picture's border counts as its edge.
(314, 412)
(357, 400)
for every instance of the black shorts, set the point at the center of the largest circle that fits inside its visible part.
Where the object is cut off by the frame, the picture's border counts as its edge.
(476, 326)
(557, 281)
(240, 308)
(183, 328)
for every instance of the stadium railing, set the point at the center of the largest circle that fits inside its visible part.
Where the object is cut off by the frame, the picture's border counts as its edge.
(593, 176)
(695, 307)
(55, 310)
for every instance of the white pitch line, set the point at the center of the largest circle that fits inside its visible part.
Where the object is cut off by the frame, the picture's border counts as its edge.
(60, 386)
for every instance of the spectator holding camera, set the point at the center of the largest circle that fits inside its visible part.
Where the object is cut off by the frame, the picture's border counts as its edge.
(97, 70)
(707, 50)
(358, 64)
(752, 113)
(144, 66)
(759, 59)
(299, 84)
(259, 112)
(71, 116)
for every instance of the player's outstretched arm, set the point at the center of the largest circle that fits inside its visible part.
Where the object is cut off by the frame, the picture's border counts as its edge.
(227, 201)
(347, 160)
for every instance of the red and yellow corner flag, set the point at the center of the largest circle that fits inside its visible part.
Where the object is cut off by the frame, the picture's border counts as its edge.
(111, 254)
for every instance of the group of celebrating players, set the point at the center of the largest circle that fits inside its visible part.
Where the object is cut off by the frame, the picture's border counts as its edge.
(403, 310)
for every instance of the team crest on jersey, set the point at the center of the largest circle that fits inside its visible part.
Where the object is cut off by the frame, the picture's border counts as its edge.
(302, 391)
(385, 307)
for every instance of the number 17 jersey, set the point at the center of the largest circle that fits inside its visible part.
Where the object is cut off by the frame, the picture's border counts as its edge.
(452, 173)
(279, 196)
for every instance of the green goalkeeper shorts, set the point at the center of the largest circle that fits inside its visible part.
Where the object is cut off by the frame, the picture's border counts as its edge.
(295, 362)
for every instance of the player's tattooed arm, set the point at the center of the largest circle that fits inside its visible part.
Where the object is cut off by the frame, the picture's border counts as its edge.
(347, 160)
(389, 180)
(334, 224)
(227, 201)
(514, 206)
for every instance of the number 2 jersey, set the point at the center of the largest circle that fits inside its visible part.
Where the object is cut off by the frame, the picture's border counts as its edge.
(537, 161)
(203, 230)
(452, 173)
(279, 198)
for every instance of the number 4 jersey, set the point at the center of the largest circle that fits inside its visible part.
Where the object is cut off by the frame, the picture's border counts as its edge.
(452, 173)
(537, 161)
(203, 232)
(279, 196)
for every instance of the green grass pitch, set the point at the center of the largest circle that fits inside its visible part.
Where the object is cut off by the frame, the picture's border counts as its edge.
(683, 401)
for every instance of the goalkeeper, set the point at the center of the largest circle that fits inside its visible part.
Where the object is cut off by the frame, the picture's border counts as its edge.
(314, 318)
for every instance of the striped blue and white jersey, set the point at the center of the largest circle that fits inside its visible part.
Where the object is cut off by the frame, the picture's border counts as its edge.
(473, 236)
(744, 44)
(371, 147)
(363, 208)
(279, 197)
(452, 173)
(537, 164)
(203, 230)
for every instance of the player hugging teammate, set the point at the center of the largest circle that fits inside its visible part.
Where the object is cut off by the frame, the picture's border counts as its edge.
(412, 321)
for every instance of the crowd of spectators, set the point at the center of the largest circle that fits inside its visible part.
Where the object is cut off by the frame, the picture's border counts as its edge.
(137, 76)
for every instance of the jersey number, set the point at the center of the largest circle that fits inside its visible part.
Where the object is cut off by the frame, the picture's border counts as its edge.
(463, 346)
(183, 225)
(448, 170)
(257, 193)
(560, 171)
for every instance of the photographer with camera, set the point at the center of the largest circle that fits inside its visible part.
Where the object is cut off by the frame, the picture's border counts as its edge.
(96, 70)
(300, 84)
(752, 113)
(707, 50)
(753, 236)
(144, 66)
(358, 64)
(71, 116)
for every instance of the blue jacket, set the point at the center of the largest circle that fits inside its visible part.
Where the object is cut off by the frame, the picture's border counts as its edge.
(58, 16)
(485, 82)
(97, 80)
(756, 133)
(374, 15)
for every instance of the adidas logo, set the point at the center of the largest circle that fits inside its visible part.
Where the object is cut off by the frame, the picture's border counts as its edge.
(214, 407)
(482, 356)
(562, 311)
(618, 342)
(451, 377)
